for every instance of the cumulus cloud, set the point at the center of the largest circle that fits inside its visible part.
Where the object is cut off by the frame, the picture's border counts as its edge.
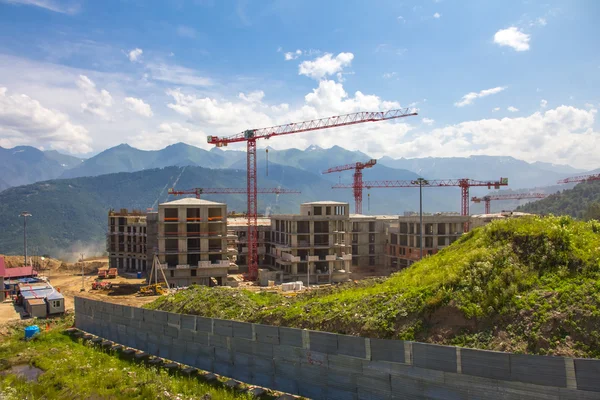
(24, 121)
(495, 109)
(96, 101)
(292, 55)
(470, 97)
(169, 133)
(138, 106)
(325, 65)
(543, 103)
(512, 109)
(428, 121)
(512, 37)
(135, 54)
(437, 15)
(563, 135)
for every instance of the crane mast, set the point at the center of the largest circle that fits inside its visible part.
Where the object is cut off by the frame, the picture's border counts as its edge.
(250, 136)
(357, 179)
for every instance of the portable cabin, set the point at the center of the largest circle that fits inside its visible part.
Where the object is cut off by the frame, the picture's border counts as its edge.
(36, 308)
(56, 303)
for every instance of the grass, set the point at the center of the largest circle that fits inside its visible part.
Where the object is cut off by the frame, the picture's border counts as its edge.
(75, 370)
(525, 285)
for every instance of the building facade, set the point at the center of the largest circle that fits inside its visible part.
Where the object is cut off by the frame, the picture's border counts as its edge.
(237, 230)
(313, 246)
(368, 240)
(126, 240)
(192, 242)
(404, 243)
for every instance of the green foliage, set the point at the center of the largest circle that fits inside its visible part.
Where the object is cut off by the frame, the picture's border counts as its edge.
(576, 202)
(75, 370)
(533, 280)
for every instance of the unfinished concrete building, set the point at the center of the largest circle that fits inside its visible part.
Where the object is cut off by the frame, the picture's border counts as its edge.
(313, 245)
(369, 235)
(440, 230)
(192, 242)
(237, 229)
(126, 240)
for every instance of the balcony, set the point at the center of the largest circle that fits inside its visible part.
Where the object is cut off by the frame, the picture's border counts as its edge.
(171, 219)
(215, 219)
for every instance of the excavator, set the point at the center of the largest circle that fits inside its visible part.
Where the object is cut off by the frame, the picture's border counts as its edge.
(157, 288)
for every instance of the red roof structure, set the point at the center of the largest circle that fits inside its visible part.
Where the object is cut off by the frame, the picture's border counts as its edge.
(19, 272)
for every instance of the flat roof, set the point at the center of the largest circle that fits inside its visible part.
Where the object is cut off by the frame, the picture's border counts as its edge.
(261, 221)
(190, 201)
(325, 202)
(36, 302)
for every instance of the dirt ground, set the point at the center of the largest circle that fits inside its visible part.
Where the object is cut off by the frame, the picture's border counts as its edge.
(9, 312)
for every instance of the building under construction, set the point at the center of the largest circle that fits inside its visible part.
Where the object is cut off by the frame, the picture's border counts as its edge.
(126, 240)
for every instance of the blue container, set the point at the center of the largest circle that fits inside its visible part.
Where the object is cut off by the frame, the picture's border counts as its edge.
(139, 274)
(31, 331)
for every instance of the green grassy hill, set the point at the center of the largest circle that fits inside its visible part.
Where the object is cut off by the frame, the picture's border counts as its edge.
(525, 285)
(577, 202)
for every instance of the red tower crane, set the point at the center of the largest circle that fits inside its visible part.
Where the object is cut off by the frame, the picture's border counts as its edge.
(200, 191)
(580, 178)
(463, 183)
(250, 136)
(358, 190)
(511, 196)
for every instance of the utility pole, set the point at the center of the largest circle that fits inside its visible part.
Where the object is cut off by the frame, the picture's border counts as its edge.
(421, 182)
(82, 275)
(25, 214)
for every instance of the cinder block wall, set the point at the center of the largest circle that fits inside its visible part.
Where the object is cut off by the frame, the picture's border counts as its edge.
(322, 365)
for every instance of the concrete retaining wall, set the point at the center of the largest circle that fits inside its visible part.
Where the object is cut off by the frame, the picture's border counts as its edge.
(324, 365)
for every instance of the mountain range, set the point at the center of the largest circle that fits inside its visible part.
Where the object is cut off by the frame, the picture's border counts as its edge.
(24, 164)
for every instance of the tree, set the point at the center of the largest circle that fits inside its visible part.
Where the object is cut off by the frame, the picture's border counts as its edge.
(593, 211)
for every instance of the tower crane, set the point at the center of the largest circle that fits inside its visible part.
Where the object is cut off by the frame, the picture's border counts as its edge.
(357, 186)
(199, 191)
(463, 183)
(580, 178)
(250, 136)
(511, 196)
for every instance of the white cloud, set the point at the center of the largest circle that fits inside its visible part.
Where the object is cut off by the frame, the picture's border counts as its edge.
(135, 54)
(252, 97)
(543, 103)
(437, 15)
(428, 121)
(564, 135)
(512, 37)
(186, 31)
(138, 106)
(325, 65)
(470, 97)
(96, 101)
(56, 6)
(177, 74)
(389, 75)
(401, 19)
(292, 55)
(512, 109)
(541, 21)
(24, 121)
(168, 133)
(495, 109)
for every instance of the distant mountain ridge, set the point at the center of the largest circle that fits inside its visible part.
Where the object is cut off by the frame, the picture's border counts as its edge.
(24, 164)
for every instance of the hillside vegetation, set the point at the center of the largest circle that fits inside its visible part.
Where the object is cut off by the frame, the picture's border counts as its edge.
(583, 201)
(524, 285)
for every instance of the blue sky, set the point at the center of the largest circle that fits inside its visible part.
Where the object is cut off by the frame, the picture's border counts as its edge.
(517, 78)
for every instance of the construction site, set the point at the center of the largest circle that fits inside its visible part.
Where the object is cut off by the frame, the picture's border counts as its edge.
(196, 241)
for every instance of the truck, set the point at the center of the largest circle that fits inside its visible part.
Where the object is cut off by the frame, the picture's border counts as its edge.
(112, 273)
(102, 273)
